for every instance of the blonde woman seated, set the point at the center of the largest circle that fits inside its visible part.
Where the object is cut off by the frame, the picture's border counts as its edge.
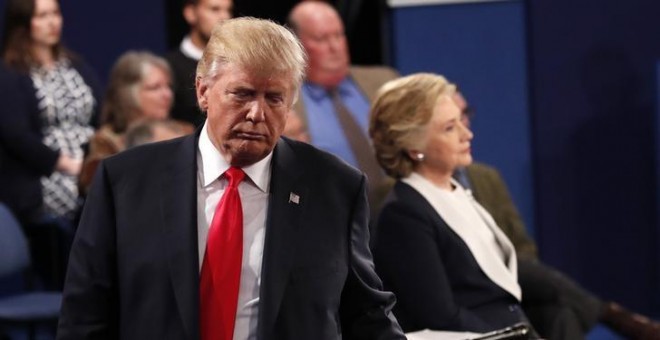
(140, 88)
(435, 247)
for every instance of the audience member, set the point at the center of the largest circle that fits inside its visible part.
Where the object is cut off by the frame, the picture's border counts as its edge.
(294, 128)
(139, 88)
(550, 297)
(201, 15)
(151, 131)
(62, 96)
(335, 97)
(142, 265)
(439, 251)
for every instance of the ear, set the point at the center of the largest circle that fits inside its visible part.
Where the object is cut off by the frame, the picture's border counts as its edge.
(412, 153)
(415, 155)
(190, 15)
(202, 89)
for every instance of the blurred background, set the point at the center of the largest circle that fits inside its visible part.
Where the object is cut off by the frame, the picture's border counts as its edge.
(565, 94)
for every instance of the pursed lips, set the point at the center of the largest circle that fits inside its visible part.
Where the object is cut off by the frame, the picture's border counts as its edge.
(249, 135)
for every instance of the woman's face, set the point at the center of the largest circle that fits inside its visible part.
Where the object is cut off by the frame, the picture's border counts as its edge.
(155, 94)
(46, 24)
(447, 139)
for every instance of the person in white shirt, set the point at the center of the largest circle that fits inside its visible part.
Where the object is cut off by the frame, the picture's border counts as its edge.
(435, 247)
(201, 16)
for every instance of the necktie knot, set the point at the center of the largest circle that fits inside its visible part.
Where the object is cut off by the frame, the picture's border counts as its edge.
(234, 176)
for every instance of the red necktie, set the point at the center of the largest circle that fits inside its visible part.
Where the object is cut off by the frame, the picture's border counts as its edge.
(221, 269)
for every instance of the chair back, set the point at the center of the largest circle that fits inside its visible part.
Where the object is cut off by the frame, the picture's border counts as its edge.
(14, 249)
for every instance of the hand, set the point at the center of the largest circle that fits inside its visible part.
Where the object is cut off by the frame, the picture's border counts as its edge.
(68, 165)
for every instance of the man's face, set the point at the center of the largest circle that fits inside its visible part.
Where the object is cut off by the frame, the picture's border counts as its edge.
(203, 16)
(322, 34)
(246, 112)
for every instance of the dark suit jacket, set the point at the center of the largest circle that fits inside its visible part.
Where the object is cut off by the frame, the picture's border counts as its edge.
(185, 98)
(438, 283)
(24, 159)
(133, 272)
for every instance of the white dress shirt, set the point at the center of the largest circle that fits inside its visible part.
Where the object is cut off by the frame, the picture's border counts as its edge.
(253, 191)
(189, 49)
(490, 247)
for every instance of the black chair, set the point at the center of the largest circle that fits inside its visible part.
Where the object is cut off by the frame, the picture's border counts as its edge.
(27, 308)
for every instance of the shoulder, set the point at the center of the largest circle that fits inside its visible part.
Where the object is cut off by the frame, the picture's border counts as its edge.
(403, 200)
(153, 158)
(88, 73)
(174, 55)
(177, 59)
(314, 162)
(84, 68)
(482, 171)
(374, 71)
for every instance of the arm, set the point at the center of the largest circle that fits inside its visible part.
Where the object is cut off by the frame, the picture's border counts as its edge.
(92, 80)
(410, 261)
(90, 301)
(100, 147)
(20, 134)
(365, 309)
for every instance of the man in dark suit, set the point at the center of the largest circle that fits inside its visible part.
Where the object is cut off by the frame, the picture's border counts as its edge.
(331, 83)
(201, 15)
(144, 264)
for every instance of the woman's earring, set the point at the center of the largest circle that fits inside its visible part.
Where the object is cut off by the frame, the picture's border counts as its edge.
(420, 156)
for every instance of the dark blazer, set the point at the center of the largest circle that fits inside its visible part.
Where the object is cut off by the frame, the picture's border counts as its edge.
(134, 267)
(185, 97)
(24, 159)
(438, 283)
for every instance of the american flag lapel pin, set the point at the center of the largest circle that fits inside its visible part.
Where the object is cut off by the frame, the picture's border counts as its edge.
(294, 198)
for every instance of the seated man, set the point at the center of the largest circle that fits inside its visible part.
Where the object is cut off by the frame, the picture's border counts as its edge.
(557, 306)
(335, 97)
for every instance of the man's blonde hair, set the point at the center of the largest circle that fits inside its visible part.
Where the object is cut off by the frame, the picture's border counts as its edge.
(258, 45)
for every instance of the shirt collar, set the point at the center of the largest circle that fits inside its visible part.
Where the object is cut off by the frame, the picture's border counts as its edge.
(318, 92)
(189, 49)
(214, 165)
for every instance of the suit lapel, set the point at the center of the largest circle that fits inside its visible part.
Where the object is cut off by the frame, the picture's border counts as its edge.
(493, 267)
(178, 199)
(286, 203)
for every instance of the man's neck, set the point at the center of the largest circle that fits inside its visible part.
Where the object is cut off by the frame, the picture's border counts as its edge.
(197, 40)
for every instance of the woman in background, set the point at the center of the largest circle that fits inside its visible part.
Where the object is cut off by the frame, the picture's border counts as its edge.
(437, 249)
(140, 88)
(61, 93)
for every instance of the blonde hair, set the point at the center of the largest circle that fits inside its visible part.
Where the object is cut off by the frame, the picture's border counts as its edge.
(399, 118)
(254, 44)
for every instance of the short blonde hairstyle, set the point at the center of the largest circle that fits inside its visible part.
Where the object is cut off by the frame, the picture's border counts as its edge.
(400, 116)
(254, 44)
